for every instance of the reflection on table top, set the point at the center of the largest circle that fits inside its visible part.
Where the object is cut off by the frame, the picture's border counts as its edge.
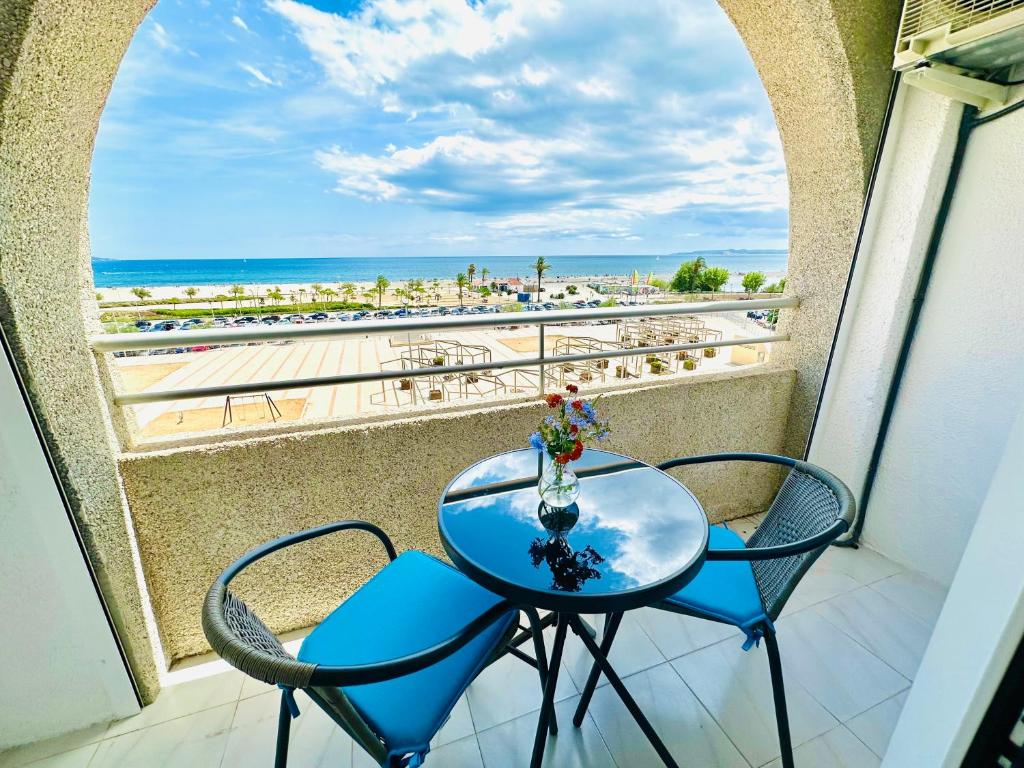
(638, 532)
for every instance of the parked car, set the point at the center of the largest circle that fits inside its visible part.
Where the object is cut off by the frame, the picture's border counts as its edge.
(164, 325)
(345, 317)
(145, 325)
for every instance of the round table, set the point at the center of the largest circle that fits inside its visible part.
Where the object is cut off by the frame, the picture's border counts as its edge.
(635, 536)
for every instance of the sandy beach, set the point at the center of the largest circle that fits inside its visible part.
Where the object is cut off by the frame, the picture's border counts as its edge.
(204, 299)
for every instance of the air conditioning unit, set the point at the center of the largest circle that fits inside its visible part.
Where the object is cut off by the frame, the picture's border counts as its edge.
(979, 36)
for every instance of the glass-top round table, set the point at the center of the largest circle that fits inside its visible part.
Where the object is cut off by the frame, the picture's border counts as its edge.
(634, 536)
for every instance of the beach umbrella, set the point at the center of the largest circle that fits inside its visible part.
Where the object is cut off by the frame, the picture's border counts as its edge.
(635, 280)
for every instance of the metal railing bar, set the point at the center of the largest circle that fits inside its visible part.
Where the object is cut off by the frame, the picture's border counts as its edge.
(119, 342)
(141, 398)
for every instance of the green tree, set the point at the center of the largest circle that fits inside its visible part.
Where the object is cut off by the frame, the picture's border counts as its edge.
(713, 278)
(329, 294)
(470, 271)
(141, 293)
(221, 298)
(485, 291)
(381, 285)
(540, 267)
(99, 296)
(778, 287)
(572, 290)
(687, 277)
(348, 290)
(174, 302)
(275, 295)
(484, 273)
(752, 281)
(191, 293)
(368, 295)
(460, 283)
(237, 292)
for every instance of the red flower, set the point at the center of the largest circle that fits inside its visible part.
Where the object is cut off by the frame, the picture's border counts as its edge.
(554, 400)
(573, 429)
(577, 404)
(577, 450)
(563, 458)
(572, 389)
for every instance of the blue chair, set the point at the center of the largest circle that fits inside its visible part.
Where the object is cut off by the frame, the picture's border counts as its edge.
(746, 584)
(389, 663)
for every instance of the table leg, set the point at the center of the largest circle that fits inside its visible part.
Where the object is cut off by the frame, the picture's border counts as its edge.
(611, 626)
(620, 689)
(547, 707)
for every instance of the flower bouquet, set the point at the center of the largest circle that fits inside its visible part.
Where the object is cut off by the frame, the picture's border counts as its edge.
(562, 437)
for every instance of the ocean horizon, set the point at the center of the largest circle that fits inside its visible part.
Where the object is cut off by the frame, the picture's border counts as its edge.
(129, 273)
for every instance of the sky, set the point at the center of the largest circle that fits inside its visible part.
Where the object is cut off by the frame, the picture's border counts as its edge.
(279, 128)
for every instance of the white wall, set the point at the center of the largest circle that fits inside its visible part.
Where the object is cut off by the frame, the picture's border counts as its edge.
(977, 633)
(964, 382)
(59, 664)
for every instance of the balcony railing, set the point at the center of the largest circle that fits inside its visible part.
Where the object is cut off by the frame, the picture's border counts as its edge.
(419, 325)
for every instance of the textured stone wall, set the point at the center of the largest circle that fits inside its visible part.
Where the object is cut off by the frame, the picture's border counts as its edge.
(196, 509)
(826, 65)
(57, 61)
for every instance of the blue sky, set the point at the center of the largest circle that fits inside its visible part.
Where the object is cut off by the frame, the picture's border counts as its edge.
(282, 128)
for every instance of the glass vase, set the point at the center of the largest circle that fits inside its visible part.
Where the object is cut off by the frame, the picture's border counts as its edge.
(559, 487)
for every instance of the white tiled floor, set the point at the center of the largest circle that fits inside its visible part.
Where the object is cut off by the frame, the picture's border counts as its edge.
(851, 640)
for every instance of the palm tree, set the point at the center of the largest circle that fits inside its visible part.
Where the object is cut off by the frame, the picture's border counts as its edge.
(368, 295)
(328, 294)
(275, 295)
(349, 290)
(191, 293)
(174, 302)
(461, 282)
(381, 285)
(484, 273)
(540, 267)
(237, 292)
(316, 289)
(470, 271)
(141, 293)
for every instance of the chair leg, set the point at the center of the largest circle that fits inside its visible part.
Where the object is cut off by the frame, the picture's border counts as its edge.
(611, 626)
(540, 654)
(284, 724)
(779, 692)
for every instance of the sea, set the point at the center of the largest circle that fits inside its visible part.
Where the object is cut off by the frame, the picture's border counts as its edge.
(128, 273)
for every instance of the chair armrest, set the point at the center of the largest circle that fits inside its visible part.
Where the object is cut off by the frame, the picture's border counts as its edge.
(270, 547)
(767, 458)
(375, 672)
(801, 547)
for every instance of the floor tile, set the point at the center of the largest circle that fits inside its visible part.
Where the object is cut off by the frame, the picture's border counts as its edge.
(253, 687)
(186, 742)
(315, 740)
(819, 584)
(915, 593)
(459, 724)
(837, 671)
(735, 687)
(745, 526)
(185, 699)
(464, 753)
(875, 727)
(863, 564)
(688, 731)
(76, 758)
(836, 749)
(510, 745)
(674, 634)
(508, 689)
(894, 635)
(38, 750)
(631, 652)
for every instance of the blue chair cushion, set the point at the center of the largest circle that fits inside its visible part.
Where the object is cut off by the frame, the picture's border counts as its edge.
(724, 590)
(412, 604)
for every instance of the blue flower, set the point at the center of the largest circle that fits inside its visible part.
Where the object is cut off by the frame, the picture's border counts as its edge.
(588, 411)
(549, 420)
(536, 441)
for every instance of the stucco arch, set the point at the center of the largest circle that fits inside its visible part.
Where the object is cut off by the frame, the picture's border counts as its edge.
(824, 65)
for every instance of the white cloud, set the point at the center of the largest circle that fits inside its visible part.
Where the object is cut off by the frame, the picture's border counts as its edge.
(258, 74)
(239, 22)
(159, 35)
